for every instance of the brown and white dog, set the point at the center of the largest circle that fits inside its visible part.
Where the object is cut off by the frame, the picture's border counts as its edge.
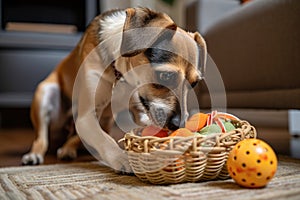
(164, 80)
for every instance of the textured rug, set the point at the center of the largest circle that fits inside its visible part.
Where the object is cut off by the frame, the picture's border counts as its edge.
(93, 181)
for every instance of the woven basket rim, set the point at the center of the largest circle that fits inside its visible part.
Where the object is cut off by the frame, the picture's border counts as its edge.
(244, 126)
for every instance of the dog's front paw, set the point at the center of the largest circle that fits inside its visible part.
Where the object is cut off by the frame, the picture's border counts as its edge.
(65, 153)
(119, 163)
(32, 159)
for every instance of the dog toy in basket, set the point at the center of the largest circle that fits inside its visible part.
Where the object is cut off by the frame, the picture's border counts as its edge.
(197, 152)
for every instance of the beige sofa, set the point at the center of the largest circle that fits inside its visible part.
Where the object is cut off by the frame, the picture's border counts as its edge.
(257, 50)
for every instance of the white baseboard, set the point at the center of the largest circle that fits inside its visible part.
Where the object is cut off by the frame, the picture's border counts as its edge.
(294, 122)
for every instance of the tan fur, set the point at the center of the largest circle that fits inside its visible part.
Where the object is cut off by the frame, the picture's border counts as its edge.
(47, 115)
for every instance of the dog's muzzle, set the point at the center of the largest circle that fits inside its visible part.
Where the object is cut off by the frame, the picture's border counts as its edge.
(162, 116)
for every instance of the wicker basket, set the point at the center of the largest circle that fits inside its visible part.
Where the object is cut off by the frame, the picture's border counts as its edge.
(184, 159)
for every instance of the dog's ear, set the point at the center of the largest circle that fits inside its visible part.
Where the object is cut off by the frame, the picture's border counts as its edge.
(142, 28)
(202, 53)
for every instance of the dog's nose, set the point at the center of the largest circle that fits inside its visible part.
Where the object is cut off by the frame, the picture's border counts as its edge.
(174, 122)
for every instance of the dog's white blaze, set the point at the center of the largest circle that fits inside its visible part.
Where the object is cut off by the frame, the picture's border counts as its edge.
(157, 103)
(111, 33)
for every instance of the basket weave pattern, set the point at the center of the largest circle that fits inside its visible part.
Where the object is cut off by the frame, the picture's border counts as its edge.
(184, 159)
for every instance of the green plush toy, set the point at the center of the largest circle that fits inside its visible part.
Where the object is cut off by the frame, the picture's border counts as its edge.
(214, 128)
(229, 126)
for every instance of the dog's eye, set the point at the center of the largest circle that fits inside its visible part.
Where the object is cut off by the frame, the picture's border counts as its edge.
(166, 78)
(193, 84)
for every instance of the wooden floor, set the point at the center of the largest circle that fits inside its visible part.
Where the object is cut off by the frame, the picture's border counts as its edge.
(14, 142)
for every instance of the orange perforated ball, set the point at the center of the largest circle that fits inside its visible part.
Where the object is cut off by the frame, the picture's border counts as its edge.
(252, 163)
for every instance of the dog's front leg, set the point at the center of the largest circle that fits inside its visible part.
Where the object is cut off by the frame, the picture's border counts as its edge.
(69, 150)
(45, 107)
(92, 100)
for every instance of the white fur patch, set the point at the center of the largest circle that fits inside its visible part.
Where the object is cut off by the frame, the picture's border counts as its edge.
(144, 118)
(112, 24)
(50, 101)
(111, 34)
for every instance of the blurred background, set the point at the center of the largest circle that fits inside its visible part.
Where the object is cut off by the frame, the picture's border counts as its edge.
(255, 44)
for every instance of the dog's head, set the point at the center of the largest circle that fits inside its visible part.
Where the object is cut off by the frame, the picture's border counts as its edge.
(164, 63)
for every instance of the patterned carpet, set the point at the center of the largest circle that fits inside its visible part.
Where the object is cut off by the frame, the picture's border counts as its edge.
(90, 180)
